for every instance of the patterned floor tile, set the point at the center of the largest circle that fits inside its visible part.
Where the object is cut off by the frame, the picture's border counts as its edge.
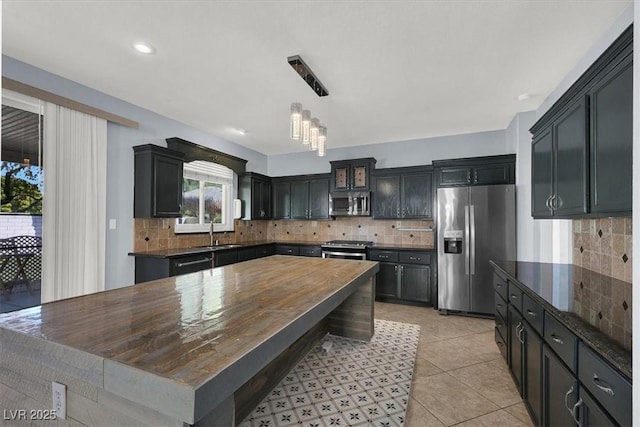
(354, 384)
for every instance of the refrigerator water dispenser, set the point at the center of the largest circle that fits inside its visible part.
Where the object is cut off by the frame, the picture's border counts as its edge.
(453, 242)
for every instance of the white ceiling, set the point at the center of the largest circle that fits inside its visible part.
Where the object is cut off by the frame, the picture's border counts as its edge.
(395, 70)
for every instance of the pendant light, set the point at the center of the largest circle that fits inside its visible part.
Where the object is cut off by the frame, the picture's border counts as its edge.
(315, 124)
(306, 126)
(322, 141)
(296, 121)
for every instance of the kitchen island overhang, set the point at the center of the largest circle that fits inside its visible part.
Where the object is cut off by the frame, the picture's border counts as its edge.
(182, 346)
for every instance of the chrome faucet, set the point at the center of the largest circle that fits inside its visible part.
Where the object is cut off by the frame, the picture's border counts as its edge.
(211, 234)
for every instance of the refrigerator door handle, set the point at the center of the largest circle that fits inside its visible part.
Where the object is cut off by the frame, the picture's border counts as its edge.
(466, 239)
(472, 242)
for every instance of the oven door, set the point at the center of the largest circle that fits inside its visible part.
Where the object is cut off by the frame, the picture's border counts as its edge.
(343, 254)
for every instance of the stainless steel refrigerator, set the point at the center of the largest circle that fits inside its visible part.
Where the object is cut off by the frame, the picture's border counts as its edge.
(475, 225)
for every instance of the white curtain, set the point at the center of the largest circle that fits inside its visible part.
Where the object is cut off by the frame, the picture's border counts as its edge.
(74, 203)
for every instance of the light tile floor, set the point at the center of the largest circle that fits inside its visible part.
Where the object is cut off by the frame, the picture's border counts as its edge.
(460, 377)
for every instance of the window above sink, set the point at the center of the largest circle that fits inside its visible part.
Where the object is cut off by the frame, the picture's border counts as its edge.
(208, 191)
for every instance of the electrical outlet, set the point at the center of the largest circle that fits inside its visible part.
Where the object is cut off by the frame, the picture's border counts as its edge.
(112, 224)
(59, 395)
(592, 227)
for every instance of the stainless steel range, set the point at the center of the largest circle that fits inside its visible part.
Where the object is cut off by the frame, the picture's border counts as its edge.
(345, 249)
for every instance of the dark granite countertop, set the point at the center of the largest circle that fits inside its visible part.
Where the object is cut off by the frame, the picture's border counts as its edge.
(560, 289)
(172, 253)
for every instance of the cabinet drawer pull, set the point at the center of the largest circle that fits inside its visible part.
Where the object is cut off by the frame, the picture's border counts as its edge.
(557, 339)
(531, 313)
(602, 385)
(514, 296)
(499, 305)
(414, 258)
(498, 285)
(566, 398)
(383, 256)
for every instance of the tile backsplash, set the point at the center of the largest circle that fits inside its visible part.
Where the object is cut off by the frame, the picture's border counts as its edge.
(152, 234)
(604, 246)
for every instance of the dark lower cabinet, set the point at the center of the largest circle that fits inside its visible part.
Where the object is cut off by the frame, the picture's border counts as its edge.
(300, 250)
(515, 347)
(226, 257)
(560, 391)
(590, 414)
(265, 250)
(245, 254)
(404, 276)
(149, 268)
(562, 381)
(387, 280)
(415, 282)
(532, 375)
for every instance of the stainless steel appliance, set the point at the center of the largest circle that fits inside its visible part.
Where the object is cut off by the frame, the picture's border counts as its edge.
(345, 249)
(475, 225)
(350, 203)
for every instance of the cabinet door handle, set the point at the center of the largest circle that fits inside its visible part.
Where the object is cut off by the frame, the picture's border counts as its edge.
(475, 177)
(573, 412)
(514, 296)
(395, 268)
(398, 212)
(531, 313)
(548, 203)
(557, 339)
(602, 385)
(469, 176)
(498, 285)
(566, 400)
(499, 305)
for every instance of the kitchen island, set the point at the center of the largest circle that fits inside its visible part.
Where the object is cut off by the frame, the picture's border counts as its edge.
(181, 350)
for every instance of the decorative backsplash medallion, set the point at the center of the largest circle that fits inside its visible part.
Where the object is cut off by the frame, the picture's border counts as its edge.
(604, 246)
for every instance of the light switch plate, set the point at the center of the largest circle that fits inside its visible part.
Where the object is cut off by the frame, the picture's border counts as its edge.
(112, 224)
(59, 395)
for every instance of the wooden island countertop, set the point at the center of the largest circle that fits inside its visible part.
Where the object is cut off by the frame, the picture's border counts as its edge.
(182, 346)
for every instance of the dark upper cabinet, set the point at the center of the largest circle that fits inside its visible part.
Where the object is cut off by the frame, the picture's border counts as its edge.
(157, 182)
(299, 198)
(612, 140)
(319, 198)
(489, 170)
(386, 196)
(589, 133)
(255, 192)
(542, 161)
(570, 140)
(351, 175)
(405, 193)
(281, 200)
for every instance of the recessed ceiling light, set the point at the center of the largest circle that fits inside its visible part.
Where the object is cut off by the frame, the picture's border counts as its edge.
(524, 96)
(145, 48)
(241, 131)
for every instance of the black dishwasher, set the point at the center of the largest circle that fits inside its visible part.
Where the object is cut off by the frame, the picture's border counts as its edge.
(190, 264)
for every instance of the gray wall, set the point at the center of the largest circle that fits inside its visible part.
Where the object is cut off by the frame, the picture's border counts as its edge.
(154, 128)
(396, 154)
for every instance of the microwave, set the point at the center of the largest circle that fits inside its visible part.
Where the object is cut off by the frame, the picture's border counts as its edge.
(350, 203)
